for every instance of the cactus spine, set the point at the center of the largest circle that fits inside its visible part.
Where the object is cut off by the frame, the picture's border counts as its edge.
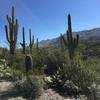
(71, 42)
(23, 44)
(12, 32)
(31, 41)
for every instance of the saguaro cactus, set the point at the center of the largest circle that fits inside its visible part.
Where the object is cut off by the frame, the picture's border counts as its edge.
(61, 42)
(23, 44)
(37, 46)
(31, 41)
(71, 42)
(12, 32)
(28, 63)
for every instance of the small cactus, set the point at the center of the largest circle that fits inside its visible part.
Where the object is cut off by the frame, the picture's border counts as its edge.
(28, 63)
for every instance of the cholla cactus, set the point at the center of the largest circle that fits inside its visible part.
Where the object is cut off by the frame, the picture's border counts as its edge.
(28, 63)
(23, 44)
(12, 32)
(71, 42)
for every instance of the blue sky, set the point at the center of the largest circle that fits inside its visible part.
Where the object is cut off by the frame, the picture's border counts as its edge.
(48, 18)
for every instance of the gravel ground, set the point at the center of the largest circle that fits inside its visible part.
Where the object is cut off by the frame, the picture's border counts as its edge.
(6, 87)
(52, 95)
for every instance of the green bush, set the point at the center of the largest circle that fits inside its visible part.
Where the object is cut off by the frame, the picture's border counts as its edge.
(9, 74)
(16, 75)
(38, 57)
(5, 72)
(30, 86)
(4, 53)
(19, 61)
(53, 60)
(77, 73)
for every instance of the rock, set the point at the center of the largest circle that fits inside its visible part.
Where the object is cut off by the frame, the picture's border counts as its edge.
(17, 98)
(5, 86)
(70, 89)
(52, 95)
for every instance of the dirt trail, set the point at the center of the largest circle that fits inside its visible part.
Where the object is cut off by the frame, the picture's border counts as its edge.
(5, 86)
(52, 95)
(5, 90)
(6, 93)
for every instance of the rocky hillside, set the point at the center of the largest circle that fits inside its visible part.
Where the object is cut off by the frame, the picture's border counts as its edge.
(86, 35)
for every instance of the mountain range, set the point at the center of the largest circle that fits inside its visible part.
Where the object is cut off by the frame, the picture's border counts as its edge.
(91, 35)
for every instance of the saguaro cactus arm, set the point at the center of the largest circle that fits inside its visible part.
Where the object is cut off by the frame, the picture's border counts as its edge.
(30, 37)
(33, 40)
(12, 14)
(37, 43)
(69, 24)
(21, 44)
(16, 31)
(77, 38)
(63, 39)
(7, 37)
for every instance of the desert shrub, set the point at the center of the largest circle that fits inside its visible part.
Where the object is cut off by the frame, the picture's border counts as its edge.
(4, 53)
(5, 73)
(19, 61)
(70, 89)
(30, 86)
(9, 74)
(16, 75)
(3, 62)
(53, 60)
(38, 59)
(76, 73)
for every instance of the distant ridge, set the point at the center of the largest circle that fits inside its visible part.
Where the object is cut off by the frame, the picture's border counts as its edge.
(85, 35)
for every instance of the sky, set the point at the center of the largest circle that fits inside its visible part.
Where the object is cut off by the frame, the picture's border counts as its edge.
(48, 18)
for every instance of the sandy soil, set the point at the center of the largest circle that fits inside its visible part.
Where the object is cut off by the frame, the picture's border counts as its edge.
(6, 93)
(5, 86)
(5, 90)
(52, 95)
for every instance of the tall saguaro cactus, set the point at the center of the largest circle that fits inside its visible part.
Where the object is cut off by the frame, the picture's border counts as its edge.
(31, 41)
(71, 42)
(37, 46)
(12, 32)
(23, 44)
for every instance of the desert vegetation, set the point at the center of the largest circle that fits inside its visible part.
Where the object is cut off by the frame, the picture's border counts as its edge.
(72, 69)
